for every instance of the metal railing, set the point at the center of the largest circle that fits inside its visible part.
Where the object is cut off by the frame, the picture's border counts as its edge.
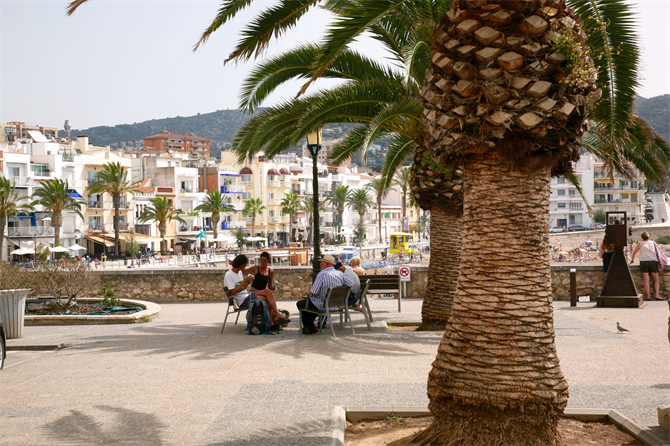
(29, 231)
(274, 201)
(274, 183)
(247, 183)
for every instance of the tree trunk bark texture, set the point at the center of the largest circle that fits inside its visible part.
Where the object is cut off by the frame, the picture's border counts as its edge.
(215, 223)
(379, 214)
(3, 223)
(162, 229)
(496, 379)
(116, 199)
(444, 268)
(57, 223)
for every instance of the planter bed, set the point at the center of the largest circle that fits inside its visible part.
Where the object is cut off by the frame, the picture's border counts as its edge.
(149, 310)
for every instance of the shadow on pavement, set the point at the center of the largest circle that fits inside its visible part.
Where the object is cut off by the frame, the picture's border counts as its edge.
(127, 427)
(313, 433)
(204, 342)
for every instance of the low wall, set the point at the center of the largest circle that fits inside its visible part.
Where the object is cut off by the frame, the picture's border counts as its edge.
(206, 284)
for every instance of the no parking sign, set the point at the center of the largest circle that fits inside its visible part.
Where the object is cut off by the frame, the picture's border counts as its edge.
(405, 273)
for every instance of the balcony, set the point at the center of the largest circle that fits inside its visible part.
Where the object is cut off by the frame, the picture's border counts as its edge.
(274, 183)
(68, 157)
(42, 174)
(274, 201)
(247, 184)
(30, 231)
(94, 204)
(22, 181)
(123, 206)
(109, 227)
(279, 219)
(143, 229)
(232, 188)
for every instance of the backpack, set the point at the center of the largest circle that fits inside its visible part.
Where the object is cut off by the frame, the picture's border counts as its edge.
(662, 259)
(258, 319)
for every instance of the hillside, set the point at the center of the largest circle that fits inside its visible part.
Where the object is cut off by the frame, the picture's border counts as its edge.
(219, 126)
(656, 111)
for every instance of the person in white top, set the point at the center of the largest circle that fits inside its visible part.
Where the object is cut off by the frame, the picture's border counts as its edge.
(648, 263)
(237, 284)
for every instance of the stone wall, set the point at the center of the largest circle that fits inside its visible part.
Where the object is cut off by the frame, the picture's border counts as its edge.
(206, 284)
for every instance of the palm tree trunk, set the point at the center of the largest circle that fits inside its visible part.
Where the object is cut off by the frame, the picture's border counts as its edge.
(3, 224)
(162, 228)
(253, 224)
(215, 225)
(379, 214)
(56, 223)
(340, 214)
(404, 203)
(496, 378)
(116, 198)
(444, 268)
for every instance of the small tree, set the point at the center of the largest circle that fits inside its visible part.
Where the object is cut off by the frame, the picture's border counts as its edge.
(71, 280)
(599, 216)
(42, 252)
(241, 236)
(132, 247)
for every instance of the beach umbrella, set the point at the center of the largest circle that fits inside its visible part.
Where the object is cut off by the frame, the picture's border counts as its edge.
(202, 234)
(563, 252)
(76, 247)
(59, 249)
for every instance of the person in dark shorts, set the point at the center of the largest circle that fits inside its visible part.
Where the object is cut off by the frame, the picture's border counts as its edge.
(648, 263)
(263, 274)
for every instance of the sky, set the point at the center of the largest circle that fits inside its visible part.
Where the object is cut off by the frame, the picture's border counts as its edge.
(124, 61)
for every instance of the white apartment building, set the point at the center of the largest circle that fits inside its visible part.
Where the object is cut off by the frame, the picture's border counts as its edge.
(566, 205)
(614, 193)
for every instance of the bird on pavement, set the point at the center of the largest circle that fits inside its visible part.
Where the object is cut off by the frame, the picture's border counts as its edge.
(620, 328)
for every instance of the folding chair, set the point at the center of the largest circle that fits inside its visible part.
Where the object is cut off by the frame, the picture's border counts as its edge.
(336, 298)
(232, 303)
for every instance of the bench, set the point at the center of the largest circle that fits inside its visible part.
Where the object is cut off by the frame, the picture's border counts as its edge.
(232, 303)
(384, 284)
(363, 305)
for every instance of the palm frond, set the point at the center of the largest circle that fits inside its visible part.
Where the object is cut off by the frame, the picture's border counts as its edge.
(399, 150)
(610, 25)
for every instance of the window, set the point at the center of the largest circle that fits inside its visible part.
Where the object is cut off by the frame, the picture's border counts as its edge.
(572, 193)
(561, 205)
(271, 195)
(560, 180)
(561, 192)
(271, 213)
(14, 171)
(576, 206)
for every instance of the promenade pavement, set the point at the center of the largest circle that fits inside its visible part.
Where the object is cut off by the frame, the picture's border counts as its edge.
(178, 381)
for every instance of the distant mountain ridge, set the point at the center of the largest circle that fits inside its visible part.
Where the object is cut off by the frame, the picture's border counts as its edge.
(220, 126)
(656, 111)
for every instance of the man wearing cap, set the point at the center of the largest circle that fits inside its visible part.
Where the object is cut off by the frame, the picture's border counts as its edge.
(328, 277)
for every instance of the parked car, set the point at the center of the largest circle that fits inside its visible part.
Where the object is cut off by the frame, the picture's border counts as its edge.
(556, 229)
(577, 228)
(3, 344)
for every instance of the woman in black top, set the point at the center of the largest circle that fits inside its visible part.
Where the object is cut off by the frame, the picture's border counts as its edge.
(263, 275)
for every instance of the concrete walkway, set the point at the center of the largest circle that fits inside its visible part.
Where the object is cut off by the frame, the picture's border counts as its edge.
(177, 381)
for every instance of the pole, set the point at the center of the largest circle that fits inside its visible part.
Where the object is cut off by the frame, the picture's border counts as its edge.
(316, 263)
(573, 287)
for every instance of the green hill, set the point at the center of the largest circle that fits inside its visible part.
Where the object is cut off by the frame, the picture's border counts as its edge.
(656, 111)
(219, 126)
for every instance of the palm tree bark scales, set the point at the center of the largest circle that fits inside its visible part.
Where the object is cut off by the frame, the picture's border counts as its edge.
(496, 379)
(445, 264)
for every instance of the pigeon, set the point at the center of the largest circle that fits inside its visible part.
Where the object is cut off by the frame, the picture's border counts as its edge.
(620, 328)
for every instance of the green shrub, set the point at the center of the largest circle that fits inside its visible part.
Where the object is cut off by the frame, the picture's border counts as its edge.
(663, 240)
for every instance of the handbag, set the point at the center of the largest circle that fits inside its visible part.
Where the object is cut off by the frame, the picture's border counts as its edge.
(662, 259)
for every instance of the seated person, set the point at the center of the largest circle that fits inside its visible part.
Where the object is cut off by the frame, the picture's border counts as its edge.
(356, 266)
(328, 277)
(263, 275)
(236, 283)
(356, 288)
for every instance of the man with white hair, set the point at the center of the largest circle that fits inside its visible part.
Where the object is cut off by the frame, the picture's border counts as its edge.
(328, 277)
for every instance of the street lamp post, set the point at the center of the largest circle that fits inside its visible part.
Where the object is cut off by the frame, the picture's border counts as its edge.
(314, 145)
(132, 246)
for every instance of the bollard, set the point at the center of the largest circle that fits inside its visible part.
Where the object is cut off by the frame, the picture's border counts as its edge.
(573, 287)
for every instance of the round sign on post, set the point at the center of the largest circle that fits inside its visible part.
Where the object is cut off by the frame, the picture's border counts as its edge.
(405, 273)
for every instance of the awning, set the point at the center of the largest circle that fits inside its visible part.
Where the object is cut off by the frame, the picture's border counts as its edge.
(139, 238)
(273, 172)
(74, 194)
(22, 216)
(285, 171)
(246, 171)
(202, 234)
(230, 174)
(100, 240)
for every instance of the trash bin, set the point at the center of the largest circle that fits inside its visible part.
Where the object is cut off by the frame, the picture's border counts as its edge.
(13, 310)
